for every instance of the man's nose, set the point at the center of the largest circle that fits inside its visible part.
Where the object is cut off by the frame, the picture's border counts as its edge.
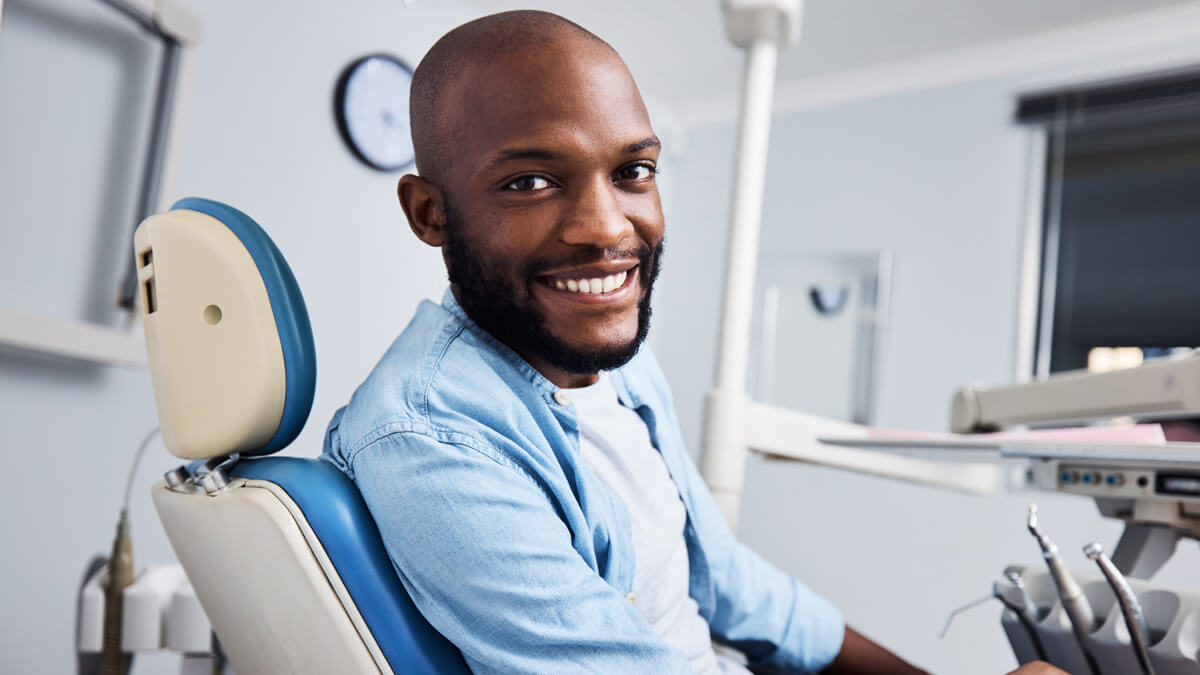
(596, 217)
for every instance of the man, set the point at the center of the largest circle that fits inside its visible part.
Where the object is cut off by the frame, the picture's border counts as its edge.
(519, 454)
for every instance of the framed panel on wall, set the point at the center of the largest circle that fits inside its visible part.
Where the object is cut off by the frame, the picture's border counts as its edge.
(86, 92)
(819, 333)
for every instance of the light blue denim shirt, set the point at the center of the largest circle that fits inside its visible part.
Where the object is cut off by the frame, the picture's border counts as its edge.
(511, 547)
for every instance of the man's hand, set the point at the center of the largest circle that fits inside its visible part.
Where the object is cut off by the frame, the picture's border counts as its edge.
(1038, 668)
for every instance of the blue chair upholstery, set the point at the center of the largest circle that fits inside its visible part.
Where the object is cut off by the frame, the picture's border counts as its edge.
(329, 501)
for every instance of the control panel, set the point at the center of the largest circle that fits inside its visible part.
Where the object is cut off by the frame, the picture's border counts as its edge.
(1114, 480)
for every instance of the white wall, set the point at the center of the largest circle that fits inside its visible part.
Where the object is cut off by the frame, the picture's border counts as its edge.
(935, 174)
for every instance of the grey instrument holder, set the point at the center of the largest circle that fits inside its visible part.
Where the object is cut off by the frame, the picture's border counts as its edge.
(1173, 617)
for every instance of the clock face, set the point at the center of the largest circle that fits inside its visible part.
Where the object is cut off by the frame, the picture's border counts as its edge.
(371, 103)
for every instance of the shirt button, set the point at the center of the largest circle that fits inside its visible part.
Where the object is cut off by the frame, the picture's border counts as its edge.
(561, 398)
(630, 597)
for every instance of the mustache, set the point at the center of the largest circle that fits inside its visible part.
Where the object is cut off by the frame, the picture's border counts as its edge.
(644, 254)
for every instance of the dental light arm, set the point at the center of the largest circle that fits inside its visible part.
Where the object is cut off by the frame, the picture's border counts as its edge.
(761, 27)
(734, 424)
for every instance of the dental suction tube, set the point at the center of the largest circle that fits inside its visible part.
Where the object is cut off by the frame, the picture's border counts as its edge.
(1025, 609)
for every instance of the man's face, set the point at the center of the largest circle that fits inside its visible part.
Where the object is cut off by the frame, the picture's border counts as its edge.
(553, 221)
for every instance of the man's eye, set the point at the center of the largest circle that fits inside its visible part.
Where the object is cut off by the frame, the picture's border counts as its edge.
(636, 172)
(528, 184)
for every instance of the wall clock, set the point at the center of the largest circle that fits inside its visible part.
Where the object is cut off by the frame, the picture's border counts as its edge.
(371, 106)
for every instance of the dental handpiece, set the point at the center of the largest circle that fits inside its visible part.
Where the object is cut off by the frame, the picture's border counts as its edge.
(1013, 574)
(1025, 609)
(1075, 603)
(1131, 609)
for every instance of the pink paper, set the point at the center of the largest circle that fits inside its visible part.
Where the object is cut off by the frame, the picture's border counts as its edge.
(1133, 434)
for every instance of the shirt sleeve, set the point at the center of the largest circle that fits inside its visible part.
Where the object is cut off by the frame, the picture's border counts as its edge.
(490, 564)
(750, 604)
(770, 616)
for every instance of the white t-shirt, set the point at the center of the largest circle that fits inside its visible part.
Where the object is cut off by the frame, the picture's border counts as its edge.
(615, 445)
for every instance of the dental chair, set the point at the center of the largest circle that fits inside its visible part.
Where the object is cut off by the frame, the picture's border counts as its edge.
(281, 551)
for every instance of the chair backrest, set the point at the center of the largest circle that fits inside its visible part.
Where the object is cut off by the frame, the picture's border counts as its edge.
(281, 551)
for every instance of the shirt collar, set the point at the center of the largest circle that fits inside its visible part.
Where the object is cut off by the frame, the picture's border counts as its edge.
(539, 381)
(624, 395)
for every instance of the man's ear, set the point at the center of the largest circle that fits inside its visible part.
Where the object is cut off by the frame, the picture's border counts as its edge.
(423, 204)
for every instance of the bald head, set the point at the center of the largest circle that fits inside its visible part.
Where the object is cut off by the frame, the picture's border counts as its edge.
(461, 53)
(538, 163)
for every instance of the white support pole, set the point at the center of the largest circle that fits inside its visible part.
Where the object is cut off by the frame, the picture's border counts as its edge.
(746, 215)
(724, 457)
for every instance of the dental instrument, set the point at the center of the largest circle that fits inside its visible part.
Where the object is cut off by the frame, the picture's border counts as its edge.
(1075, 603)
(1131, 609)
(970, 605)
(1013, 574)
(1025, 608)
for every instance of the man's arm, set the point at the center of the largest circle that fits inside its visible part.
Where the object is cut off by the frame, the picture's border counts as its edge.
(771, 617)
(860, 655)
(489, 562)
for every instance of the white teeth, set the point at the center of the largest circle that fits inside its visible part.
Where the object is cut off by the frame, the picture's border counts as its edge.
(591, 286)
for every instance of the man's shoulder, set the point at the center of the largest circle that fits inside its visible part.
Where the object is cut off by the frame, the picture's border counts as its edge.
(440, 376)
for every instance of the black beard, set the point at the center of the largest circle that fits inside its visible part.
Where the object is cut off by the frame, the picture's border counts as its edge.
(504, 311)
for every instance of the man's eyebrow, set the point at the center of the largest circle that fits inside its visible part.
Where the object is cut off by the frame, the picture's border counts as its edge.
(650, 142)
(512, 154)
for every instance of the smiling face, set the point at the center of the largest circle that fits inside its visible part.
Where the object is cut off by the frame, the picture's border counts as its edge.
(551, 222)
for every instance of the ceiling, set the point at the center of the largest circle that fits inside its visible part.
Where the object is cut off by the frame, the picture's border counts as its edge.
(678, 52)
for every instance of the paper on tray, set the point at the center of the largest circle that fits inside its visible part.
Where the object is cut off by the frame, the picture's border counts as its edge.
(1131, 434)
